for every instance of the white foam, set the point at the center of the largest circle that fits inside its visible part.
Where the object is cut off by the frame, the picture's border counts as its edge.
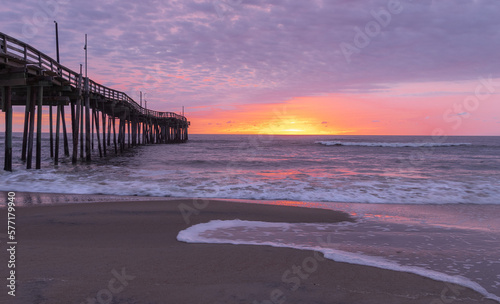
(390, 145)
(200, 234)
(328, 188)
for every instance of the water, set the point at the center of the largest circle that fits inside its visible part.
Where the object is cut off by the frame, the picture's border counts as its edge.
(358, 169)
(463, 255)
(424, 205)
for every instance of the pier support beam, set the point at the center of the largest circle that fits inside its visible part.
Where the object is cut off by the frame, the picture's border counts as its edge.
(65, 133)
(76, 129)
(114, 135)
(39, 129)
(26, 123)
(7, 104)
(31, 128)
(109, 131)
(58, 126)
(104, 132)
(96, 120)
(88, 151)
(51, 130)
(82, 145)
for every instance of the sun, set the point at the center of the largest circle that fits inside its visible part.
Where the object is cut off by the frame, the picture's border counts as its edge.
(293, 131)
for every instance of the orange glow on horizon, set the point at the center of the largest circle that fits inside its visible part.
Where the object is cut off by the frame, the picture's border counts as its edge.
(403, 110)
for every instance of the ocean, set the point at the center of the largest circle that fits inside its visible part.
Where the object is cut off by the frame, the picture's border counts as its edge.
(424, 205)
(353, 169)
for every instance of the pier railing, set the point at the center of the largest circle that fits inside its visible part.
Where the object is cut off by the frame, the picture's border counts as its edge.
(33, 58)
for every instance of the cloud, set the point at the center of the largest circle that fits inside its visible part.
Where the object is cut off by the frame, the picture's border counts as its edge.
(261, 51)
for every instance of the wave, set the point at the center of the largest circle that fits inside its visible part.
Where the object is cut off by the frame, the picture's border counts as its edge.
(245, 184)
(200, 234)
(390, 145)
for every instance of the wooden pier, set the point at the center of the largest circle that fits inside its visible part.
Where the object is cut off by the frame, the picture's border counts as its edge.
(32, 79)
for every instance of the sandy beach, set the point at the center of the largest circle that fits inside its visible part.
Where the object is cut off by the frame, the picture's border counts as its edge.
(127, 252)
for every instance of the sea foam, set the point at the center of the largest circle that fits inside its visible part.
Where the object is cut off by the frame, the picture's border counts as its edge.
(392, 145)
(202, 233)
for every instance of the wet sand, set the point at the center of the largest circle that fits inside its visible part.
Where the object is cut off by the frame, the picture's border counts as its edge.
(127, 252)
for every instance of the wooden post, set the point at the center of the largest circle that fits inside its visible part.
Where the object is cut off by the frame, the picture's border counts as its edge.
(128, 125)
(39, 129)
(138, 122)
(121, 136)
(154, 133)
(51, 132)
(157, 133)
(26, 123)
(109, 130)
(141, 133)
(87, 122)
(144, 136)
(114, 136)
(58, 125)
(97, 132)
(137, 131)
(66, 143)
(76, 126)
(120, 133)
(81, 128)
(133, 131)
(73, 128)
(151, 132)
(7, 100)
(31, 128)
(103, 131)
(93, 121)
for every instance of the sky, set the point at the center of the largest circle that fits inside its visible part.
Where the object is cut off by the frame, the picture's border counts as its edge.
(374, 67)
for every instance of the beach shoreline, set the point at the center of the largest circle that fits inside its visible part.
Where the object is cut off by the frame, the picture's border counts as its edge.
(127, 252)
